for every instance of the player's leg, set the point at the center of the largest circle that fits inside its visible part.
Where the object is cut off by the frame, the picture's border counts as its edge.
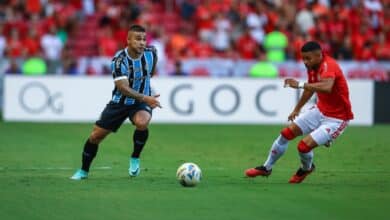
(141, 121)
(278, 148)
(110, 120)
(327, 132)
(91, 146)
(90, 150)
(305, 149)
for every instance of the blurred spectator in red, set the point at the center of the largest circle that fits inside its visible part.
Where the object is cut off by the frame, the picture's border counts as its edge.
(385, 22)
(39, 25)
(107, 44)
(200, 48)
(359, 41)
(120, 33)
(362, 26)
(204, 21)
(15, 47)
(367, 53)
(382, 48)
(247, 47)
(33, 6)
(31, 43)
(342, 49)
(298, 39)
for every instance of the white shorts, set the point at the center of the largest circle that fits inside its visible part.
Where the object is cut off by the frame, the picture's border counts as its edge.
(322, 129)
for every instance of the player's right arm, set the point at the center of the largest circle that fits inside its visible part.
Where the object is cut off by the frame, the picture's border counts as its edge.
(120, 75)
(306, 95)
(124, 87)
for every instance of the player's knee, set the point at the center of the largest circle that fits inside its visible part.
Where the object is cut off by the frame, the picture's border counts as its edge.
(287, 133)
(141, 124)
(303, 147)
(96, 137)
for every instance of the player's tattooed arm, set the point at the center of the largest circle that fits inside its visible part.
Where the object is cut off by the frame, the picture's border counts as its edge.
(124, 87)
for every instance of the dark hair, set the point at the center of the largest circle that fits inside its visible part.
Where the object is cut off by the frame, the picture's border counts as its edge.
(310, 46)
(136, 28)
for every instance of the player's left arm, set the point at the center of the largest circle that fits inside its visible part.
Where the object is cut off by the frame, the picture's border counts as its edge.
(325, 85)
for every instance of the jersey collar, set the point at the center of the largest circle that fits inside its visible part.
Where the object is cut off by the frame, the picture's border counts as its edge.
(128, 56)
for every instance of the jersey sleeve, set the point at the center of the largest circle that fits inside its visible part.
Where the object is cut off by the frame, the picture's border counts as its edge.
(329, 71)
(118, 68)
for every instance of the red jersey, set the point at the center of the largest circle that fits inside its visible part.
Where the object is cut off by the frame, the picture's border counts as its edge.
(335, 104)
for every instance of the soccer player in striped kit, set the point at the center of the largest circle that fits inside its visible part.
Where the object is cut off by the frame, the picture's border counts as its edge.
(132, 69)
(322, 123)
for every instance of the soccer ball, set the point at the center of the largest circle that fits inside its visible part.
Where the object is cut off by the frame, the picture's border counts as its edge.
(189, 174)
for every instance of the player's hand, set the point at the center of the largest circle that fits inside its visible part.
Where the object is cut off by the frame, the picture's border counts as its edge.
(289, 82)
(152, 101)
(293, 115)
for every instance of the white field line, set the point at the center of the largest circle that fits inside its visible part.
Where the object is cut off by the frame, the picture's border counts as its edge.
(49, 168)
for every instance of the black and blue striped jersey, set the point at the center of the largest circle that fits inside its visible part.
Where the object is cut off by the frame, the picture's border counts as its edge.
(137, 71)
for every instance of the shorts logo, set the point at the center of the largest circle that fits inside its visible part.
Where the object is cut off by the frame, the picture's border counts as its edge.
(339, 129)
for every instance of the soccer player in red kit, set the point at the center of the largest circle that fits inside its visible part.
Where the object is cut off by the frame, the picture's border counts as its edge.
(321, 123)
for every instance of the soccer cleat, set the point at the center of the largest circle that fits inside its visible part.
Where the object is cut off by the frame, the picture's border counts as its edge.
(79, 175)
(134, 168)
(301, 174)
(258, 171)
(328, 144)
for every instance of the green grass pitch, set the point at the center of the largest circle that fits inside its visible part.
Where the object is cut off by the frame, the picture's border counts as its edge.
(352, 180)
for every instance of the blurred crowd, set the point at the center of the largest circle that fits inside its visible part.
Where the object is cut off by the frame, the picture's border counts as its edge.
(52, 36)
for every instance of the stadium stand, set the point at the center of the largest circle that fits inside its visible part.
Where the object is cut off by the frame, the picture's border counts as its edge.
(355, 30)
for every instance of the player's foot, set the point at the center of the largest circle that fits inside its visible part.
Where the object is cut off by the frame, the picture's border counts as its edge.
(258, 171)
(134, 168)
(79, 175)
(301, 174)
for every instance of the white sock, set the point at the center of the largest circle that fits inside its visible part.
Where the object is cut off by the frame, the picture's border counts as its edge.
(307, 160)
(277, 150)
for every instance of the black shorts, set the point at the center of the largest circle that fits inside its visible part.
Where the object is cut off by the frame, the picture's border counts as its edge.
(115, 114)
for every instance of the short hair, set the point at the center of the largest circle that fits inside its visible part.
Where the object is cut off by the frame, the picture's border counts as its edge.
(137, 28)
(310, 46)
